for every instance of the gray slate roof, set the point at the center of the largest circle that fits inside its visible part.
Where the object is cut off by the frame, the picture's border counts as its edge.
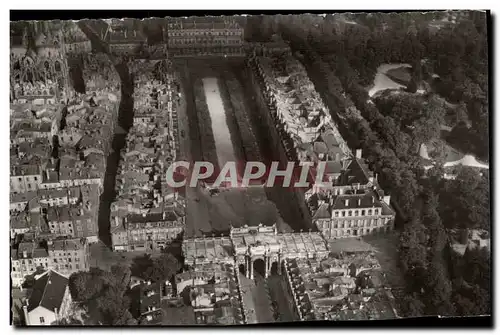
(48, 291)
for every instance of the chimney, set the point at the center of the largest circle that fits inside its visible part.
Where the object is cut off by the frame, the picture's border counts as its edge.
(387, 199)
(358, 153)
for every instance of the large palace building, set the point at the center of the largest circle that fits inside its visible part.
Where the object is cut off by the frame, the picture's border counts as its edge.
(351, 203)
(205, 36)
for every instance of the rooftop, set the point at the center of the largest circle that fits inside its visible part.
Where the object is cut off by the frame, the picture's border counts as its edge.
(307, 242)
(48, 291)
(68, 244)
(209, 249)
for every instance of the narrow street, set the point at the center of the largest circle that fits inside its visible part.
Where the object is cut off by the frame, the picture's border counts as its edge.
(281, 299)
(125, 120)
(256, 300)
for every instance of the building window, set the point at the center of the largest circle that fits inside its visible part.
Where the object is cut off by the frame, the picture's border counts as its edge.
(369, 212)
(42, 320)
(343, 213)
(356, 213)
(336, 214)
(363, 212)
(376, 211)
(350, 213)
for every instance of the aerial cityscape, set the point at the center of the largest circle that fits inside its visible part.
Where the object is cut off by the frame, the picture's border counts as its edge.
(249, 169)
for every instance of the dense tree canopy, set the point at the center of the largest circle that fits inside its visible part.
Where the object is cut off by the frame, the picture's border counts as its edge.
(466, 200)
(102, 295)
(156, 269)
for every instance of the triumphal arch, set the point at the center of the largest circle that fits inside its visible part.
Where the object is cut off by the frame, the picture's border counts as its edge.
(254, 246)
(251, 250)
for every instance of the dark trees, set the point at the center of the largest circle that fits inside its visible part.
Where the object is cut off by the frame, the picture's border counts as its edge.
(466, 200)
(102, 294)
(163, 268)
(156, 269)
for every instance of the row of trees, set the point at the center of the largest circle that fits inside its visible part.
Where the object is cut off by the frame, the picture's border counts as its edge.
(441, 281)
(422, 242)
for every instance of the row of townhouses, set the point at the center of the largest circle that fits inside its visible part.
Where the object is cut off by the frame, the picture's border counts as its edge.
(147, 214)
(349, 201)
